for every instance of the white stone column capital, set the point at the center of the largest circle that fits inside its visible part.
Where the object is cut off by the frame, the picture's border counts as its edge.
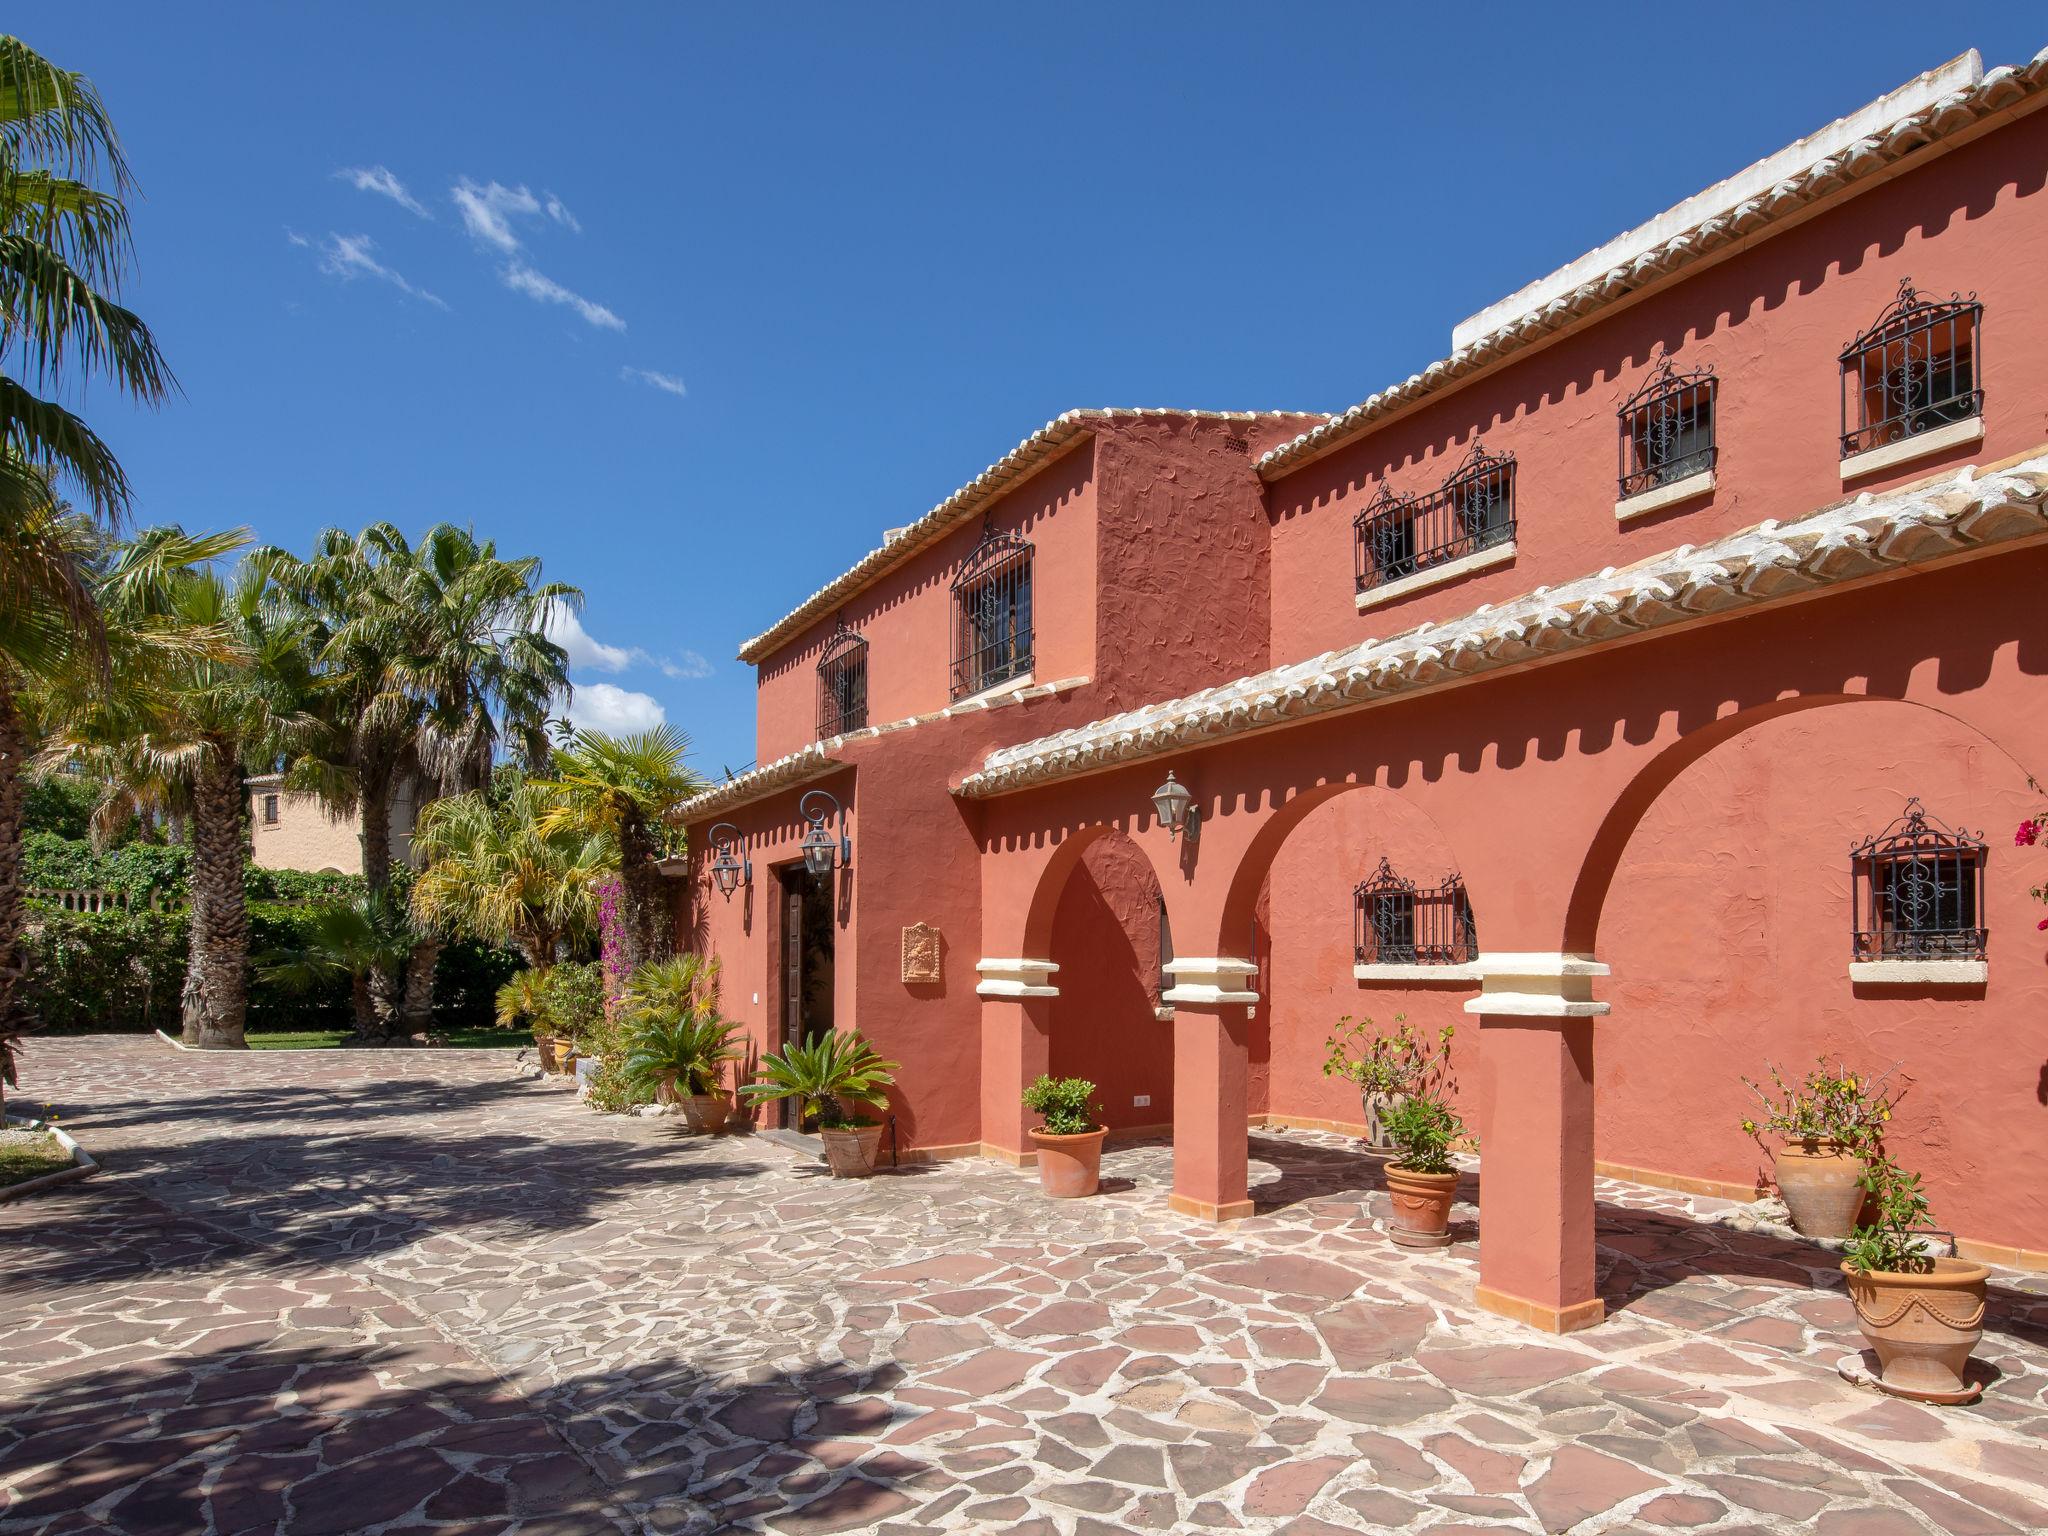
(1212, 981)
(1015, 978)
(1544, 985)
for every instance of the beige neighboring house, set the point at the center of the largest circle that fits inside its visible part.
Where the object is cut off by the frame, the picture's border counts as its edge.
(290, 829)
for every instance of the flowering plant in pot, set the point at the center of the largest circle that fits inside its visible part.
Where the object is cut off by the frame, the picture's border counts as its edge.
(1384, 1067)
(1921, 1313)
(837, 1075)
(1069, 1141)
(1422, 1129)
(1828, 1124)
(680, 1059)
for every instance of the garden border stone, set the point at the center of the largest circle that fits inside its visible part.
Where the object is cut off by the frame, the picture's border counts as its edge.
(83, 1165)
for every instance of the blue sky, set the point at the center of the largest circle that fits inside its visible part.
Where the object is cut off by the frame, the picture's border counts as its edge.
(693, 302)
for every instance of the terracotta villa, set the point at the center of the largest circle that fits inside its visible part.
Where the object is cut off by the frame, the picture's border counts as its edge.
(1649, 688)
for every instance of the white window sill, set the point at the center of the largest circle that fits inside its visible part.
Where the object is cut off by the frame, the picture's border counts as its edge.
(1464, 975)
(1163, 1013)
(1436, 575)
(1659, 497)
(1926, 973)
(996, 693)
(1906, 449)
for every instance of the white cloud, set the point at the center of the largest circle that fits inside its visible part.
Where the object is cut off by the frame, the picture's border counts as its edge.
(379, 180)
(692, 666)
(487, 211)
(349, 257)
(566, 630)
(521, 278)
(559, 212)
(667, 382)
(614, 710)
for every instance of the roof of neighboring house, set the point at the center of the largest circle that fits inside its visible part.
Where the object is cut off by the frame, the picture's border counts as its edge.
(1014, 467)
(1968, 509)
(264, 780)
(1867, 144)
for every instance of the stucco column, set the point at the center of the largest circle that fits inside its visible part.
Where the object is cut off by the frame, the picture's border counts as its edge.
(1536, 1015)
(1015, 1049)
(1211, 1071)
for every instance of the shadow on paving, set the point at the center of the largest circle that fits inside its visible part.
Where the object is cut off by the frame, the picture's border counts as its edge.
(354, 1100)
(321, 1441)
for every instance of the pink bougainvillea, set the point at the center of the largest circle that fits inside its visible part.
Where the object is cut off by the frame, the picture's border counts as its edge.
(612, 944)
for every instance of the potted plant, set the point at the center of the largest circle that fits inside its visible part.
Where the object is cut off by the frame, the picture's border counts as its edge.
(1922, 1314)
(1069, 1140)
(1422, 1129)
(1828, 1124)
(837, 1075)
(679, 1061)
(1383, 1067)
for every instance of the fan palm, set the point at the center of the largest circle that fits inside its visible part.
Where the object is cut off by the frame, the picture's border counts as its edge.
(623, 788)
(491, 871)
(366, 940)
(668, 989)
(431, 659)
(521, 999)
(685, 1051)
(829, 1073)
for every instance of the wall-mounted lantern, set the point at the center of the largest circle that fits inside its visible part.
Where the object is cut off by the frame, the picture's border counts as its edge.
(820, 850)
(727, 872)
(1177, 812)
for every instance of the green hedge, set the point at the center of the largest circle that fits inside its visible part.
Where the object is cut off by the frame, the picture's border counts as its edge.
(142, 871)
(123, 971)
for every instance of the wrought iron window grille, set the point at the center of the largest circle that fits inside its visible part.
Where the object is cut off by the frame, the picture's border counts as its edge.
(842, 683)
(992, 615)
(1395, 923)
(1397, 536)
(1918, 891)
(1667, 428)
(1918, 367)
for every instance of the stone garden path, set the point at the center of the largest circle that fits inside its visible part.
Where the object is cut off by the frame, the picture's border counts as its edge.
(342, 1292)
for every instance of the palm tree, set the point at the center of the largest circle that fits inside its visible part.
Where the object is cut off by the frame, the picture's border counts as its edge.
(366, 940)
(623, 788)
(493, 872)
(431, 660)
(182, 728)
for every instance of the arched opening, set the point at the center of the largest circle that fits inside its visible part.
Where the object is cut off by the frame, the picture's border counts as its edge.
(1719, 890)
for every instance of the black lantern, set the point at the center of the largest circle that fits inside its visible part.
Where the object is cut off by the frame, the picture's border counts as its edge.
(1176, 808)
(727, 872)
(821, 850)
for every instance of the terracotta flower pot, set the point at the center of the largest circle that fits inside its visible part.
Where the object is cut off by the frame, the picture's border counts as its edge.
(851, 1154)
(1923, 1327)
(556, 1051)
(1069, 1166)
(1422, 1207)
(1821, 1182)
(706, 1112)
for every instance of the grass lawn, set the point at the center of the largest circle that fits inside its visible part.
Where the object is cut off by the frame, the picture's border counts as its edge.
(328, 1039)
(30, 1155)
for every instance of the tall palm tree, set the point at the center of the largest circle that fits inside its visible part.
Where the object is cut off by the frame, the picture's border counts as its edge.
(493, 872)
(623, 788)
(64, 249)
(432, 659)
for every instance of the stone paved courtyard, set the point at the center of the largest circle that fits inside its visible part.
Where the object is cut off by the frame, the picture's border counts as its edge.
(340, 1292)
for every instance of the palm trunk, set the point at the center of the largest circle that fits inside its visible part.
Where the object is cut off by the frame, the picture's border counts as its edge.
(416, 1001)
(644, 897)
(216, 997)
(14, 1016)
(375, 832)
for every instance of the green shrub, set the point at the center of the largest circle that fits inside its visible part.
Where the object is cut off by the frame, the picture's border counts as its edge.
(139, 871)
(572, 1002)
(260, 884)
(1063, 1103)
(60, 805)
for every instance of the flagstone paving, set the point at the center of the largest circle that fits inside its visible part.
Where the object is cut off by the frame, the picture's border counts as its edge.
(331, 1292)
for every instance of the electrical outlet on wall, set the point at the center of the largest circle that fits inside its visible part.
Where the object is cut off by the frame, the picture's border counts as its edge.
(1142, 1101)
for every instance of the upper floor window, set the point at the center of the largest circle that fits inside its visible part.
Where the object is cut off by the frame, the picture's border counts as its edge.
(270, 810)
(842, 683)
(1397, 924)
(1915, 369)
(1667, 429)
(992, 629)
(1474, 509)
(1918, 891)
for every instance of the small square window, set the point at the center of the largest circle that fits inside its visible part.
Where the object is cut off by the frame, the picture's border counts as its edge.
(992, 629)
(1914, 370)
(1397, 924)
(270, 810)
(1919, 892)
(1667, 430)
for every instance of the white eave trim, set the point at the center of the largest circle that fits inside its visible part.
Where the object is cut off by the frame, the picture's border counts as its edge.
(1875, 533)
(1927, 973)
(1907, 449)
(1643, 503)
(1437, 575)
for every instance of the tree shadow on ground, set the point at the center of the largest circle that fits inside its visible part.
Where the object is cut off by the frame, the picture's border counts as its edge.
(320, 1439)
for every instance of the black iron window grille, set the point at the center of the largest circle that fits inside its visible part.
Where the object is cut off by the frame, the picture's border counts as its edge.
(842, 684)
(1397, 924)
(1474, 509)
(1920, 366)
(1667, 429)
(992, 630)
(1918, 891)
